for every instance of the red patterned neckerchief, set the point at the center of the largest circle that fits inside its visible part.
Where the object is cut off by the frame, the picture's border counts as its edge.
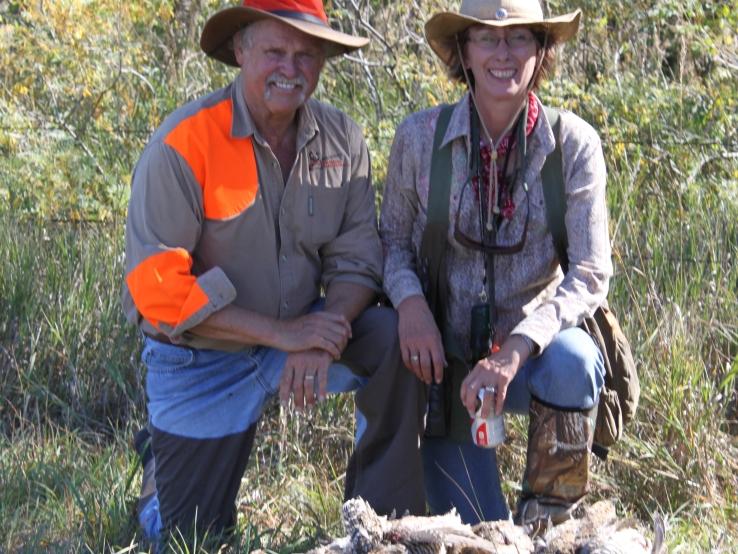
(507, 206)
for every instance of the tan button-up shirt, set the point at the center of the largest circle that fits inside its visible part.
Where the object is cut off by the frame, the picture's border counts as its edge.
(532, 296)
(212, 222)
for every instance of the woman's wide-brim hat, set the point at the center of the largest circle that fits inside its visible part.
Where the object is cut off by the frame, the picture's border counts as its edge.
(307, 16)
(441, 29)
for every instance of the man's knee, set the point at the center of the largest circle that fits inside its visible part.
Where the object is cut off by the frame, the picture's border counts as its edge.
(379, 325)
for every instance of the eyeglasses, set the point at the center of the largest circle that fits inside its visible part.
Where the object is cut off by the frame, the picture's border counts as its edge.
(516, 39)
(483, 246)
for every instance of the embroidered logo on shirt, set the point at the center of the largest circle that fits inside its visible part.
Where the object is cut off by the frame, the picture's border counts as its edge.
(316, 162)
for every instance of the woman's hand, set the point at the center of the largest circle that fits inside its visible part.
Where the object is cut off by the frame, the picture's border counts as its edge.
(420, 341)
(496, 370)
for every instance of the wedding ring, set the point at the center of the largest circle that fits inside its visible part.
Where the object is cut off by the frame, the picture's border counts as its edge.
(309, 377)
(415, 357)
(489, 389)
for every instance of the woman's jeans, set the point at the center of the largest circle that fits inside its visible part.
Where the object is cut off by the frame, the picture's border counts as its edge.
(569, 374)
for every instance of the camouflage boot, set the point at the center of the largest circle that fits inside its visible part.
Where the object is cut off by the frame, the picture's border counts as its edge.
(557, 469)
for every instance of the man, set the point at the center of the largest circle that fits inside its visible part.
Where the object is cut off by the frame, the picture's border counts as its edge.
(244, 204)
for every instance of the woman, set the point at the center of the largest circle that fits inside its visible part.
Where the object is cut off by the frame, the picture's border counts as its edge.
(500, 258)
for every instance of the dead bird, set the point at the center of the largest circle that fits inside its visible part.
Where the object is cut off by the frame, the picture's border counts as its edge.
(595, 530)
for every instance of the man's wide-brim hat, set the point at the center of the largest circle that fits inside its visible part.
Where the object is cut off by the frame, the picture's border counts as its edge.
(307, 16)
(441, 29)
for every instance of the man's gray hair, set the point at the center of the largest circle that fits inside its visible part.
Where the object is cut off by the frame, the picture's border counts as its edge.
(244, 36)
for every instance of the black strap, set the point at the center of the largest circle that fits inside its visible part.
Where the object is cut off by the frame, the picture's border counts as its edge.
(440, 175)
(554, 193)
(433, 245)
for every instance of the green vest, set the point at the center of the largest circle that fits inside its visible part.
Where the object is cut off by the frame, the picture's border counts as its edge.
(433, 262)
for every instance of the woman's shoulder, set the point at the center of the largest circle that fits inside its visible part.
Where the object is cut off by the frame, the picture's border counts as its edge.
(576, 130)
(419, 124)
(422, 124)
(580, 145)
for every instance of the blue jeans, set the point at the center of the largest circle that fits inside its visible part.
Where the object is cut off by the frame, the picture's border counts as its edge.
(209, 394)
(204, 404)
(204, 394)
(569, 373)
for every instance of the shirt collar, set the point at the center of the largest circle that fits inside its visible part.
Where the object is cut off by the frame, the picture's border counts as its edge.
(542, 138)
(243, 125)
(458, 125)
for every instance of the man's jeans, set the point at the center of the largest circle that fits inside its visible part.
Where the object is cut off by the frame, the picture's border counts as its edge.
(215, 394)
(568, 374)
(218, 393)
(206, 399)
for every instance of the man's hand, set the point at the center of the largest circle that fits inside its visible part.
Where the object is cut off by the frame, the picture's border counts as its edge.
(323, 330)
(496, 370)
(305, 376)
(420, 341)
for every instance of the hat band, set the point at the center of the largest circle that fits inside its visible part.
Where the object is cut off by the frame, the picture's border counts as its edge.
(299, 15)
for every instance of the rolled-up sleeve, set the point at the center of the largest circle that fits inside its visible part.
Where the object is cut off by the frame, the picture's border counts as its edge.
(400, 209)
(355, 254)
(585, 286)
(165, 215)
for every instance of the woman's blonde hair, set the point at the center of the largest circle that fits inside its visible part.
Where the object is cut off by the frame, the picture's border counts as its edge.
(455, 71)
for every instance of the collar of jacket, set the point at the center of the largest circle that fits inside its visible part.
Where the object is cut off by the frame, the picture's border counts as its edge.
(243, 124)
(541, 141)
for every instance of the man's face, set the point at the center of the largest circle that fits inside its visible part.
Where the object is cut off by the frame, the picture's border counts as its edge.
(280, 67)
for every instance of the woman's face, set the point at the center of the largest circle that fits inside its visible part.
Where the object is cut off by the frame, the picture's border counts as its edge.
(502, 60)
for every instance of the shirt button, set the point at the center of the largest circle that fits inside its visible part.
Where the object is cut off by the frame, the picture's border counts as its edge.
(274, 164)
(283, 257)
(286, 305)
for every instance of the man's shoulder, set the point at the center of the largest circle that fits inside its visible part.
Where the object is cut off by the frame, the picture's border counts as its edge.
(205, 107)
(330, 118)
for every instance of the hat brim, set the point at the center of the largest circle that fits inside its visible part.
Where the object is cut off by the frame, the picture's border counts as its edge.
(442, 27)
(215, 39)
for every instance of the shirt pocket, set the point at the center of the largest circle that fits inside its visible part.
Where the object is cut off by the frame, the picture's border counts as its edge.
(326, 209)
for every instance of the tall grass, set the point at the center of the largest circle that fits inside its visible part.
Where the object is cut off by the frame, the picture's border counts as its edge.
(67, 355)
(72, 397)
(676, 291)
(72, 391)
(656, 78)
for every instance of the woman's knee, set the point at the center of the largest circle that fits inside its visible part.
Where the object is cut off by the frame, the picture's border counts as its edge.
(570, 372)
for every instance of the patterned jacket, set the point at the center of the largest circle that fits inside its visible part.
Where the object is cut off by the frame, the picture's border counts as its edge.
(532, 296)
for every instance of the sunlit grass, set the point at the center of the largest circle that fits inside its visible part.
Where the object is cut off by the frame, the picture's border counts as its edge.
(71, 383)
(72, 397)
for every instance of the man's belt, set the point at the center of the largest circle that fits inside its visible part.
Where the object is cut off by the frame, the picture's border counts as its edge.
(160, 337)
